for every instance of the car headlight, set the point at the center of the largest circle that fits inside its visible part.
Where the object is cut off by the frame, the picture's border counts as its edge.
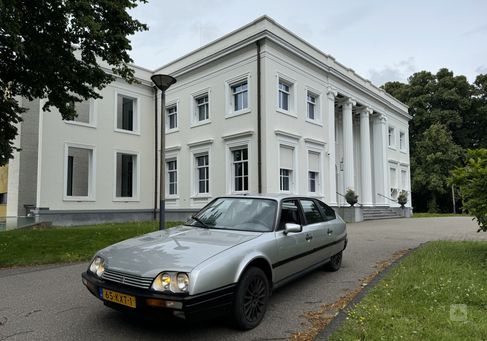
(183, 281)
(98, 266)
(171, 281)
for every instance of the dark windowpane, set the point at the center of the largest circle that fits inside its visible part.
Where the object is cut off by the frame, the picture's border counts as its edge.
(69, 190)
(127, 114)
(127, 176)
(311, 212)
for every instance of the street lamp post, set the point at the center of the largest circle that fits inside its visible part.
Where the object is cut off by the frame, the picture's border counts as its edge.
(162, 82)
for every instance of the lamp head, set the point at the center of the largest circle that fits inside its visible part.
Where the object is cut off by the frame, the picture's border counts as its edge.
(163, 82)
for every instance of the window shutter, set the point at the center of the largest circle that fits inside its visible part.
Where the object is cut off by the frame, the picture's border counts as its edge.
(286, 155)
(313, 162)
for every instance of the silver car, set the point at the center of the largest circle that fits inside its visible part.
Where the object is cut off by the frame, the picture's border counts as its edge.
(226, 259)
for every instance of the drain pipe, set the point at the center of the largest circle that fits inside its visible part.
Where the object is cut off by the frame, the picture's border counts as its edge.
(259, 121)
(155, 153)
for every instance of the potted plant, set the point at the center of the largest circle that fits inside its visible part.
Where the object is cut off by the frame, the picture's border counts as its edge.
(402, 198)
(351, 197)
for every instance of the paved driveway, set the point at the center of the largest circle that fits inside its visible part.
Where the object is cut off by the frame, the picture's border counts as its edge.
(50, 303)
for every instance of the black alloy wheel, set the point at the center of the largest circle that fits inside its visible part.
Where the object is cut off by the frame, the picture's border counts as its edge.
(251, 299)
(335, 262)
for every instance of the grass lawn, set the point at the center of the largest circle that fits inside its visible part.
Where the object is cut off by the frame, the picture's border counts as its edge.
(68, 244)
(435, 215)
(414, 301)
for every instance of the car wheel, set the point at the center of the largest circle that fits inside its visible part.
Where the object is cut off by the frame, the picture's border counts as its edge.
(335, 262)
(251, 299)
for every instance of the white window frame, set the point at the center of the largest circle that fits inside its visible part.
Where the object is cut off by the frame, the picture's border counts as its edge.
(318, 106)
(136, 123)
(172, 157)
(402, 147)
(93, 116)
(92, 173)
(320, 178)
(201, 150)
(392, 144)
(293, 185)
(280, 78)
(229, 96)
(170, 105)
(194, 108)
(136, 181)
(393, 186)
(230, 147)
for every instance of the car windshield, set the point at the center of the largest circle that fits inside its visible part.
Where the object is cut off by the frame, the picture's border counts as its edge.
(244, 214)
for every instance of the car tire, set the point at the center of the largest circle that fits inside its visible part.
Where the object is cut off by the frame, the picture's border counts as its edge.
(251, 298)
(335, 262)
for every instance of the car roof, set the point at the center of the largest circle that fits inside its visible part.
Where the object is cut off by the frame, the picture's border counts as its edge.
(273, 196)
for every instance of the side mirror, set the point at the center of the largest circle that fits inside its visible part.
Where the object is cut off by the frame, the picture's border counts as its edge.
(290, 227)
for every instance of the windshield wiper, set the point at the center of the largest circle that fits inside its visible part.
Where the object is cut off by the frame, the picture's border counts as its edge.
(200, 221)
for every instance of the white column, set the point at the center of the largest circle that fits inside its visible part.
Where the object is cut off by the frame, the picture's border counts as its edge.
(380, 160)
(348, 166)
(332, 186)
(365, 166)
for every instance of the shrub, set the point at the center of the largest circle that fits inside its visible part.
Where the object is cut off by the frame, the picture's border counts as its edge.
(351, 197)
(402, 198)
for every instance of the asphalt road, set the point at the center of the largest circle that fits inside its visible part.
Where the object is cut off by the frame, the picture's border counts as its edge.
(50, 302)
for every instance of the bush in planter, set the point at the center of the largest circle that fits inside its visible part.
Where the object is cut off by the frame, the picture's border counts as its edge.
(351, 197)
(402, 198)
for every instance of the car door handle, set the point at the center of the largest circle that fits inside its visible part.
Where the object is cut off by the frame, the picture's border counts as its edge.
(308, 237)
(329, 231)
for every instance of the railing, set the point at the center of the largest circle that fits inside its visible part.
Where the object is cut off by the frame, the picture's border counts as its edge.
(343, 196)
(381, 195)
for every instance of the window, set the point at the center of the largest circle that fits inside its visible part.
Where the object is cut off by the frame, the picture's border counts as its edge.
(289, 214)
(126, 113)
(285, 179)
(312, 181)
(240, 96)
(313, 172)
(392, 137)
(402, 141)
(202, 112)
(311, 212)
(284, 95)
(126, 169)
(240, 170)
(312, 106)
(172, 117)
(202, 174)
(392, 182)
(286, 155)
(327, 210)
(172, 177)
(3, 198)
(83, 111)
(79, 169)
(403, 179)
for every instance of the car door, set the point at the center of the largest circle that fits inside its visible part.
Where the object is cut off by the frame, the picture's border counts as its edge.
(293, 248)
(317, 227)
(332, 238)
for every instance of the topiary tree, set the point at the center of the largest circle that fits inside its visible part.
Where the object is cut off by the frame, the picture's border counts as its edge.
(351, 197)
(402, 198)
(472, 181)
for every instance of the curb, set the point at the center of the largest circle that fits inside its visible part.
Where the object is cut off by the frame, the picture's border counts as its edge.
(325, 333)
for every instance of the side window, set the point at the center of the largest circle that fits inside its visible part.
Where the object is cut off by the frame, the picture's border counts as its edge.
(327, 210)
(289, 213)
(311, 212)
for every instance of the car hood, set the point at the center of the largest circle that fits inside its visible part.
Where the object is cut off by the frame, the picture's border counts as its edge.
(177, 249)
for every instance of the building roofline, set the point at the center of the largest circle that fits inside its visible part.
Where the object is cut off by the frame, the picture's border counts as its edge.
(266, 27)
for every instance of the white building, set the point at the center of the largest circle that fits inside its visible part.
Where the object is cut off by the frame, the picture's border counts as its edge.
(258, 110)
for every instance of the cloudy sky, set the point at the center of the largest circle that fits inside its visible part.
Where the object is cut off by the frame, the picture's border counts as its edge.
(380, 40)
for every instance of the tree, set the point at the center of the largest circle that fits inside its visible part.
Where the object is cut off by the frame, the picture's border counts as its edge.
(52, 48)
(472, 180)
(436, 155)
(449, 100)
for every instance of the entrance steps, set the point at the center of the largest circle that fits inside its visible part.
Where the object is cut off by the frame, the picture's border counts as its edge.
(373, 213)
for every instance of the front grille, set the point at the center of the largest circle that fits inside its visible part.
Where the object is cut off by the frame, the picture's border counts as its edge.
(123, 278)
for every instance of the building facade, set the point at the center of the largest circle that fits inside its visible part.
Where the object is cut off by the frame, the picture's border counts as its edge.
(258, 110)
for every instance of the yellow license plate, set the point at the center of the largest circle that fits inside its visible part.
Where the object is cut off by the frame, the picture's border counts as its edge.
(119, 298)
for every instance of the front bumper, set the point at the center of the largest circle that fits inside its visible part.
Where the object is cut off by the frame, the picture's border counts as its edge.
(212, 302)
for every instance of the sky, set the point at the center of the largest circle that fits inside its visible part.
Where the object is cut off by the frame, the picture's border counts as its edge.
(381, 40)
